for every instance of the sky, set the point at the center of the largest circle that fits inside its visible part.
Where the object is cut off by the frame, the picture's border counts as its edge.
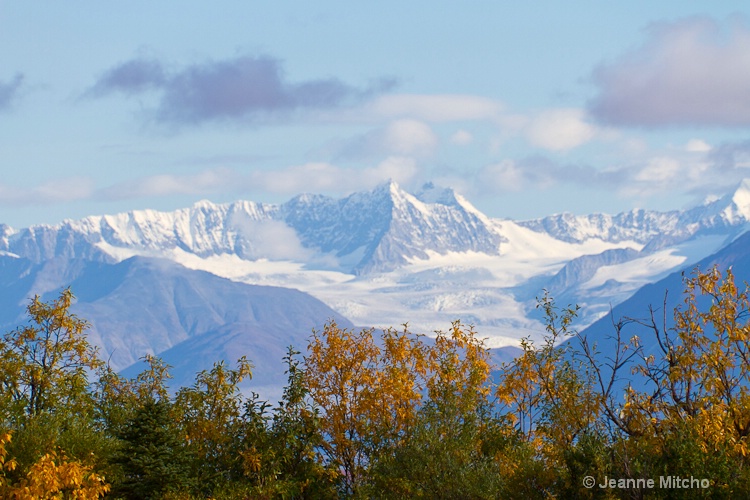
(525, 108)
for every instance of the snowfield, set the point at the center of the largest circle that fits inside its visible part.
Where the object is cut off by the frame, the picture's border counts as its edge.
(387, 257)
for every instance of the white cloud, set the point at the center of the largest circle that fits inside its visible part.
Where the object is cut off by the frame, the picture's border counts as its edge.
(659, 170)
(207, 181)
(324, 177)
(437, 107)
(697, 146)
(312, 177)
(57, 191)
(409, 137)
(273, 239)
(461, 138)
(503, 176)
(404, 137)
(559, 129)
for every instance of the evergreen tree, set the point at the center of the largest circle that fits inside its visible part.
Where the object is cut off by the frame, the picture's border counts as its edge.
(153, 456)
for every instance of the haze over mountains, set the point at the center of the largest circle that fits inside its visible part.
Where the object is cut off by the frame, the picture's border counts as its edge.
(379, 258)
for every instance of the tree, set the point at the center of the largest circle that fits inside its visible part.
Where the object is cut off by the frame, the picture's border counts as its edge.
(368, 394)
(45, 398)
(44, 366)
(280, 457)
(387, 400)
(153, 456)
(117, 399)
(210, 414)
(697, 383)
(550, 400)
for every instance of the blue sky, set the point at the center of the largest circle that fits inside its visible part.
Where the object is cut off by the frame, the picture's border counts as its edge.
(527, 109)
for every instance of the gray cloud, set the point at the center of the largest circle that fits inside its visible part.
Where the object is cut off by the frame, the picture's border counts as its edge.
(9, 91)
(131, 77)
(690, 72)
(726, 165)
(245, 88)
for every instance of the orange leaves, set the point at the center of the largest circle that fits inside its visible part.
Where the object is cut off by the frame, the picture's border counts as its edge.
(211, 409)
(370, 389)
(547, 397)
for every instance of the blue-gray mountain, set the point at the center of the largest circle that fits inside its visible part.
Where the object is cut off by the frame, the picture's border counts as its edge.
(658, 301)
(190, 318)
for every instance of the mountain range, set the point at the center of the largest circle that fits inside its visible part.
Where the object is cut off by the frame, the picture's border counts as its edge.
(212, 280)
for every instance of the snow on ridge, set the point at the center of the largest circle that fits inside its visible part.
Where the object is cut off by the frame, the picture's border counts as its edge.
(388, 255)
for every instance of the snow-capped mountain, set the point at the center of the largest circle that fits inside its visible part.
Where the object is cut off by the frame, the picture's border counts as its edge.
(388, 227)
(364, 232)
(727, 215)
(385, 256)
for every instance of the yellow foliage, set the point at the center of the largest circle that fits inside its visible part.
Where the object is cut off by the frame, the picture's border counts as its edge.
(370, 391)
(51, 477)
(5, 464)
(548, 400)
(703, 375)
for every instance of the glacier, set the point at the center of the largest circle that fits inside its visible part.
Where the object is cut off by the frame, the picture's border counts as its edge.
(386, 257)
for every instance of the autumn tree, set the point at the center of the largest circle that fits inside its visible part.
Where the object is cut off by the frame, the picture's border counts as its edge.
(45, 396)
(44, 366)
(694, 402)
(448, 450)
(210, 415)
(368, 393)
(550, 399)
(280, 457)
(382, 395)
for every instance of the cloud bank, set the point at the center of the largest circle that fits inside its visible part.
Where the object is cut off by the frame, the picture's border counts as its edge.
(245, 88)
(690, 72)
(47, 193)
(306, 178)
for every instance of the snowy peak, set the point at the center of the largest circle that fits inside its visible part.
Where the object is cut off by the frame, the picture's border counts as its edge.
(738, 206)
(429, 193)
(386, 227)
(729, 215)
(435, 222)
(370, 231)
(376, 230)
(636, 225)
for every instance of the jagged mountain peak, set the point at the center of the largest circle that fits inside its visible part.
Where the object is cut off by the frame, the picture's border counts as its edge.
(430, 193)
(206, 205)
(740, 201)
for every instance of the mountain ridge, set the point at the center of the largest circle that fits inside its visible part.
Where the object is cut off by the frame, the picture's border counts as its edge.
(389, 256)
